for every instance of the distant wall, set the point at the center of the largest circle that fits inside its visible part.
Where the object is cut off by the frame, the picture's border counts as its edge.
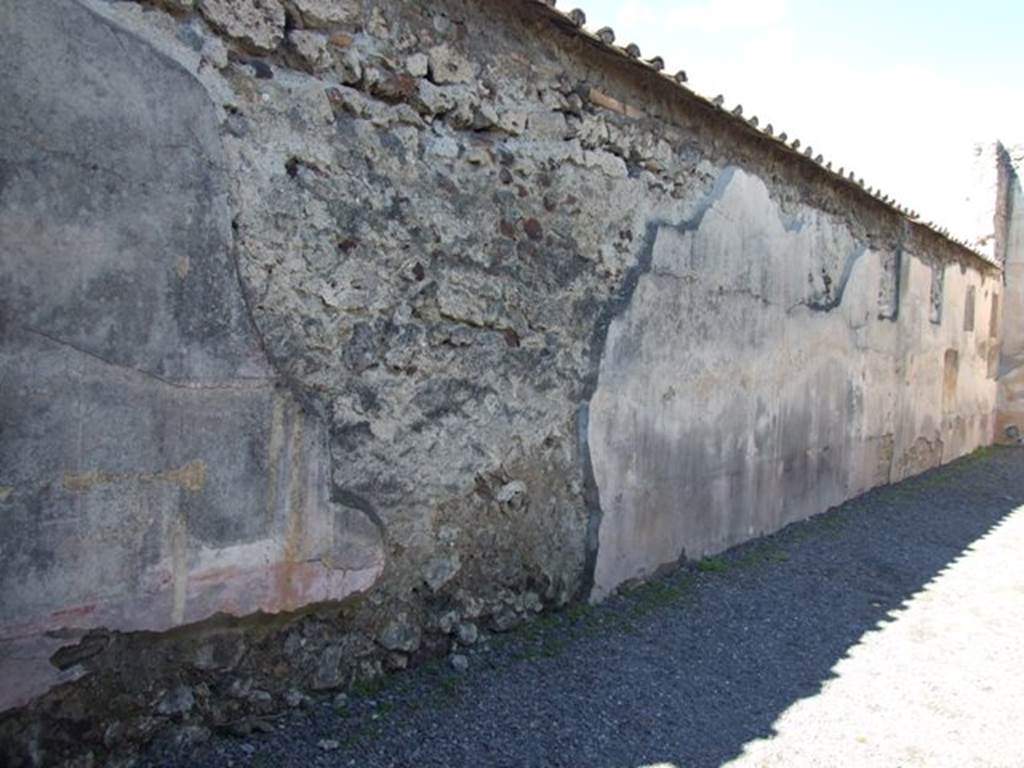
(440, 305)
(1009, 246)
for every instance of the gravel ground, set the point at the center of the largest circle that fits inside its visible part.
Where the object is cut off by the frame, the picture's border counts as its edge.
(866, 636)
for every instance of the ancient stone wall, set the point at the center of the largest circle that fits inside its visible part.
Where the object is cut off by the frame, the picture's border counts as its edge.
(337, 332)
(1009, 250)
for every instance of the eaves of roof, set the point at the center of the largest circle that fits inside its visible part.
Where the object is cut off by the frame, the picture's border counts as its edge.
(574, 22)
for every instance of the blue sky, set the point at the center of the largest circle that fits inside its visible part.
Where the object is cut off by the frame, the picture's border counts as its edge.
(899, 91)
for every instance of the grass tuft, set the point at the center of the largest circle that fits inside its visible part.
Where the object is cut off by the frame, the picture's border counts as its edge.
(713, 565)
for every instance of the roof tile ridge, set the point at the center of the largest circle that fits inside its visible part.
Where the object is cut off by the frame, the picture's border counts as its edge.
(605, 36)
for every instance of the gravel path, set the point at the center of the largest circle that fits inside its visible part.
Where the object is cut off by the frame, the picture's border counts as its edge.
(873, 635)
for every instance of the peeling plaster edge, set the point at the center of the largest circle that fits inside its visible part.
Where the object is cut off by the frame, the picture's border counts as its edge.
(614, 308)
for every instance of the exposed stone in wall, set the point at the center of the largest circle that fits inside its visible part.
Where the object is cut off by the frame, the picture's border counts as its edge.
(255, 23)
(413, 319)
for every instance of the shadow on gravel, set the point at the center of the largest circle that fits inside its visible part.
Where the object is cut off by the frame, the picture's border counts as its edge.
(840, 576)
(685, 670)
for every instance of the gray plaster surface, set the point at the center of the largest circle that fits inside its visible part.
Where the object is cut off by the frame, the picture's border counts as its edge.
(152, 471)
(885, 632)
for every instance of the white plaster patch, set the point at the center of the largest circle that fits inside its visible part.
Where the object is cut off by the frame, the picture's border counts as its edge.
(752, 382)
